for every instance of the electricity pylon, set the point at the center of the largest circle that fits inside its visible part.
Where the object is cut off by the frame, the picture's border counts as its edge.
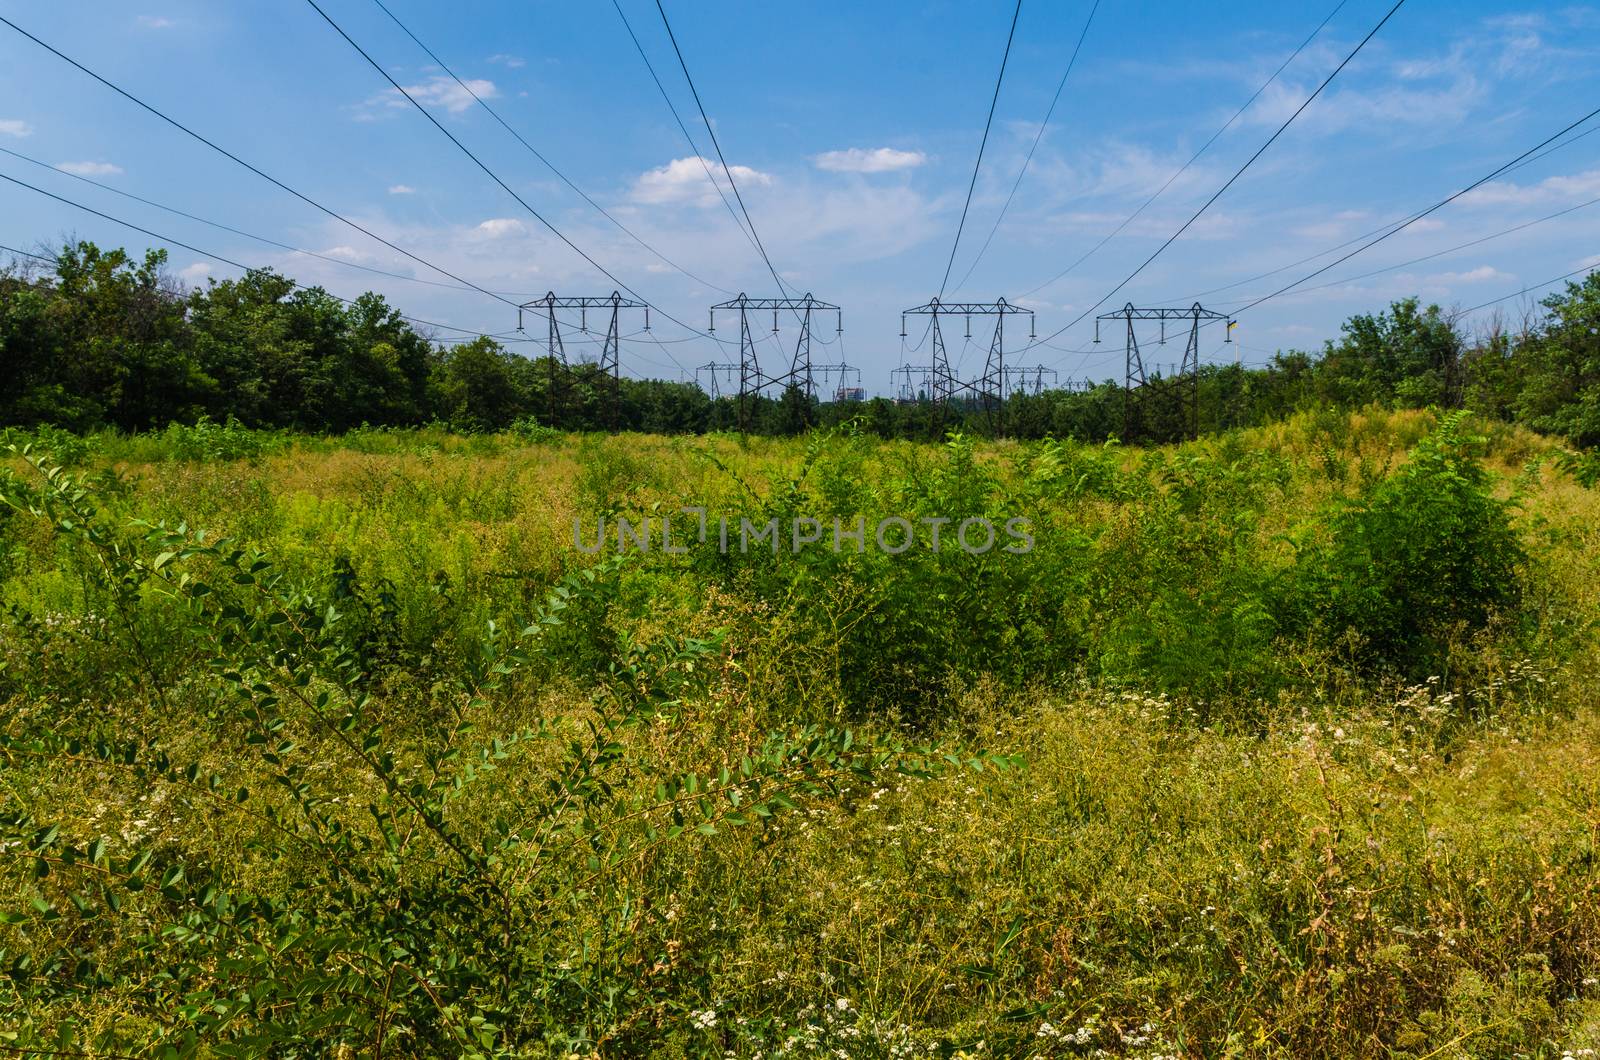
(990, 388)
(1186, 381)
(752, 380)
(1029, 378)
(610, 363)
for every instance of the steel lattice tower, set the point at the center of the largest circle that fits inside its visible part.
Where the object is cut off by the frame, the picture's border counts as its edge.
(752, 380)
(610, 363)
(991, 387)
(1135, 376)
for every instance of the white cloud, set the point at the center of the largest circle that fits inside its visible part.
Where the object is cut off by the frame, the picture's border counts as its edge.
(13, 127)
(442, 91)
(1481, 274)
(1405, 102)
(1551, 189)
(89, 169)
(197, 273)
(1341, 224)
(865, 160)
(511, 61)
(499, 227)
(1119, 175)
(156, 22)
(1336, 224)
(684, 180)
(402, 189)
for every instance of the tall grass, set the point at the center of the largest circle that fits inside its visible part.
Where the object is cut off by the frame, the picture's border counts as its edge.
(380, 763)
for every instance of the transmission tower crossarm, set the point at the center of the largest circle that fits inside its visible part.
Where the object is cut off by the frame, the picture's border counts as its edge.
(1000, 307)
(746, 302)
(1132, 312)
(550, 301)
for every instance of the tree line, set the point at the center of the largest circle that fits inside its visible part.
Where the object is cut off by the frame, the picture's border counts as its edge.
(106, 340)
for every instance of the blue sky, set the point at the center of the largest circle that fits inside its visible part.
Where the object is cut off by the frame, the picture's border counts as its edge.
(852, 129)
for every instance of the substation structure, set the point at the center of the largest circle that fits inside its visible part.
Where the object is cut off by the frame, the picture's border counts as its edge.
(1183, 382)
(942, 384)
(803, 372)
(610, 362)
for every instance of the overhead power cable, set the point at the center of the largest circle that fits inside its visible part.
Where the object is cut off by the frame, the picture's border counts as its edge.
(206, 253)
(1447, 200)
(27, 254)
(466, 87)
(254, 169)
(1441, 253)
(1181, 170)
(1237, 174)
(694, 148)
(489, 172)
(984, 142)
(1515, 294)
(468, 151)
(1365, 235)
(1071, 62)
(241, 232)
(727, 171)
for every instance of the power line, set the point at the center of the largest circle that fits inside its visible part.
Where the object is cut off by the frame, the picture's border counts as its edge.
(468, 151)
(712, 132)
(536, 154)
(1196, 156)
(693, 147)
(239, 231)
(1366, 235)
(28, 254)
(1239, 173)
(1071, 62)
(491, 173)
(1442, 253)
(978, 163)
(1525, 290)
(258, 172)
(206, 253)
(1419, 216)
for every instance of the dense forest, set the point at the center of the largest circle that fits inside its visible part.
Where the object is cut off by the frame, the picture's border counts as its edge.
(106, 340)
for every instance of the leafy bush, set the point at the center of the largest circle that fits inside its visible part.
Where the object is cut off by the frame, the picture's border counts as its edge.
(412, 921)
(400, 767)
(529, 430)
(67, 448)
(1584, 467)
(1424, 554)
(207, 440)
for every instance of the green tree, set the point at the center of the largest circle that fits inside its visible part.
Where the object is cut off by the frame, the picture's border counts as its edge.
(473, 386)
(1408, 356)
(244, 341)
(1560, 368)
(103, 341)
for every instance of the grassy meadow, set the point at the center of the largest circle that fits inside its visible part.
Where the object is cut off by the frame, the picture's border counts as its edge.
(1282, 743)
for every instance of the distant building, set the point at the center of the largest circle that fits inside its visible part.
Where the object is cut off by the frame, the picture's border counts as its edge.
(850, 393)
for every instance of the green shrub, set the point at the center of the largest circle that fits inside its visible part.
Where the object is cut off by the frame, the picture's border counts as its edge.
(1424, 554)
(207, 440)
(424, 917)
(529, 430)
